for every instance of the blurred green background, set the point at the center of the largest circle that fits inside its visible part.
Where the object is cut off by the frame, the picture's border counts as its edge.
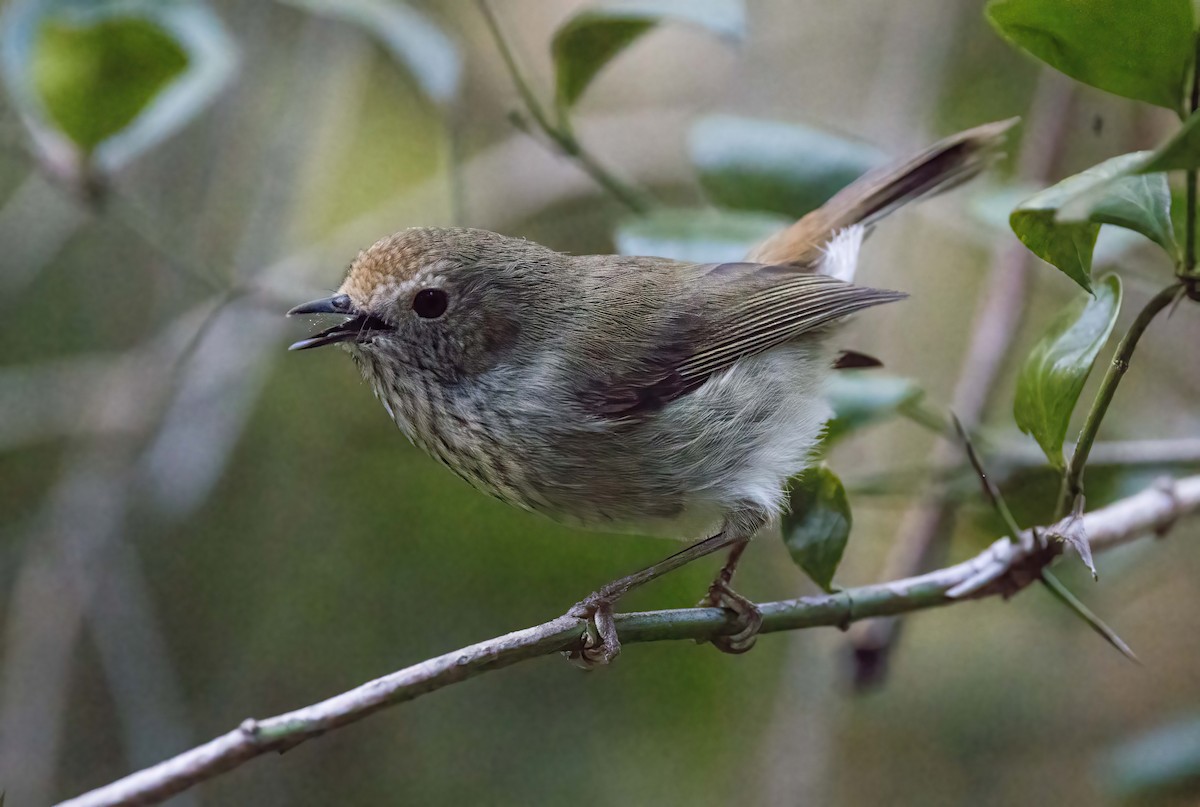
(197, 527)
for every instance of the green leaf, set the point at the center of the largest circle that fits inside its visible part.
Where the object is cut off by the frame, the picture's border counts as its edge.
(1055, 371)
(862, 398)
(697, 235)
(586, 42)
(108, 80)
(411, 38)
(1060, 224)
(786, 168)
(1181, 152)
(817, 525)
(1137, 49)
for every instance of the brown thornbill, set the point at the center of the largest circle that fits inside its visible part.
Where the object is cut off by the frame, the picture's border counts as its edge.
(632, 394)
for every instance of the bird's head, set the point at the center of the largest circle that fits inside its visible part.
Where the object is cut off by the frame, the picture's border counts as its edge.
(444, 302)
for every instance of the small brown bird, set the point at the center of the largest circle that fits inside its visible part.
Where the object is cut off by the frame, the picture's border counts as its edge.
(618, 393)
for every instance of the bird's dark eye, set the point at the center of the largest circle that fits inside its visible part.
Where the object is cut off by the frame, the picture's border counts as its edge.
(430, 303)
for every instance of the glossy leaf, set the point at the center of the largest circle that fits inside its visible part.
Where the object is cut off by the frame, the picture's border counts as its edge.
(697, 235)
(1135, 49)
(818, 523)
(992, 207)
(1053, 375)
(1060, 224)
(1180, 152)
(755, 164)
(862, 398)
(588, 41)
(411, 38)
(109, 80)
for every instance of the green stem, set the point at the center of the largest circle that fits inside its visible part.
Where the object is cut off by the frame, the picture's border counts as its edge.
(1189, 259)
(1192, 177)
(619, 190)
(560, 134)
(523, 89)
(1072, 485)
(1064, 595)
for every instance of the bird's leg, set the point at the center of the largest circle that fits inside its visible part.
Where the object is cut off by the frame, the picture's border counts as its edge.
(721, 595)
(597, 607)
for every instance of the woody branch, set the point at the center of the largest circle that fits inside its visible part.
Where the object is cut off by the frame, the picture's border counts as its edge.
(1001, 569)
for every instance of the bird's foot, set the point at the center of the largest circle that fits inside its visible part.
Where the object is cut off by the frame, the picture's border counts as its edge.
(749, 618)
(599, 644)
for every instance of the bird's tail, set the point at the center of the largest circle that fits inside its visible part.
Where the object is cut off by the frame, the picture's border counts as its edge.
(875, 194)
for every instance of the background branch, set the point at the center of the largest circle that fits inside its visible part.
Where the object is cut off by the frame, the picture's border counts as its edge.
(1153, 510)
(926, 526)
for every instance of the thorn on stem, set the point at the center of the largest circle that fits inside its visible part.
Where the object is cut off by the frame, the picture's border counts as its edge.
(1071, 532)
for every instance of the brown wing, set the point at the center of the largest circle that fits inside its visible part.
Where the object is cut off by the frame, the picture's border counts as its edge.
(732, 311)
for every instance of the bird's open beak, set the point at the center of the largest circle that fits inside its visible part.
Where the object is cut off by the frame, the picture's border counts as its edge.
(355, 328)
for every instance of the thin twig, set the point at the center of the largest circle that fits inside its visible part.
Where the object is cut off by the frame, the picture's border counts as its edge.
(989, 487)
(1061, 592)
(1010, 460)
(1158, 452)
(1153, 511)
(560, 134)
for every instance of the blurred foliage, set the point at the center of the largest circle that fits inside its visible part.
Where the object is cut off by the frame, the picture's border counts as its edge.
(699, 235)
(1162, 763)
(861, 398)
(95, 80)
(586, 42)
(325, 550)
(99, 83)
(418, 44)
(775, 166)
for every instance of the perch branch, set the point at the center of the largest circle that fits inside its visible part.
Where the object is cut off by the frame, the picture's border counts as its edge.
(1002, 568)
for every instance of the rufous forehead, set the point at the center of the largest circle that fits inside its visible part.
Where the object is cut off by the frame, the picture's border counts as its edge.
(386, 270)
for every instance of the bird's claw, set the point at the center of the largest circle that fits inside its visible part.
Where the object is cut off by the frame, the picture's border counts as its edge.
(749, 617)
(599, 644)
